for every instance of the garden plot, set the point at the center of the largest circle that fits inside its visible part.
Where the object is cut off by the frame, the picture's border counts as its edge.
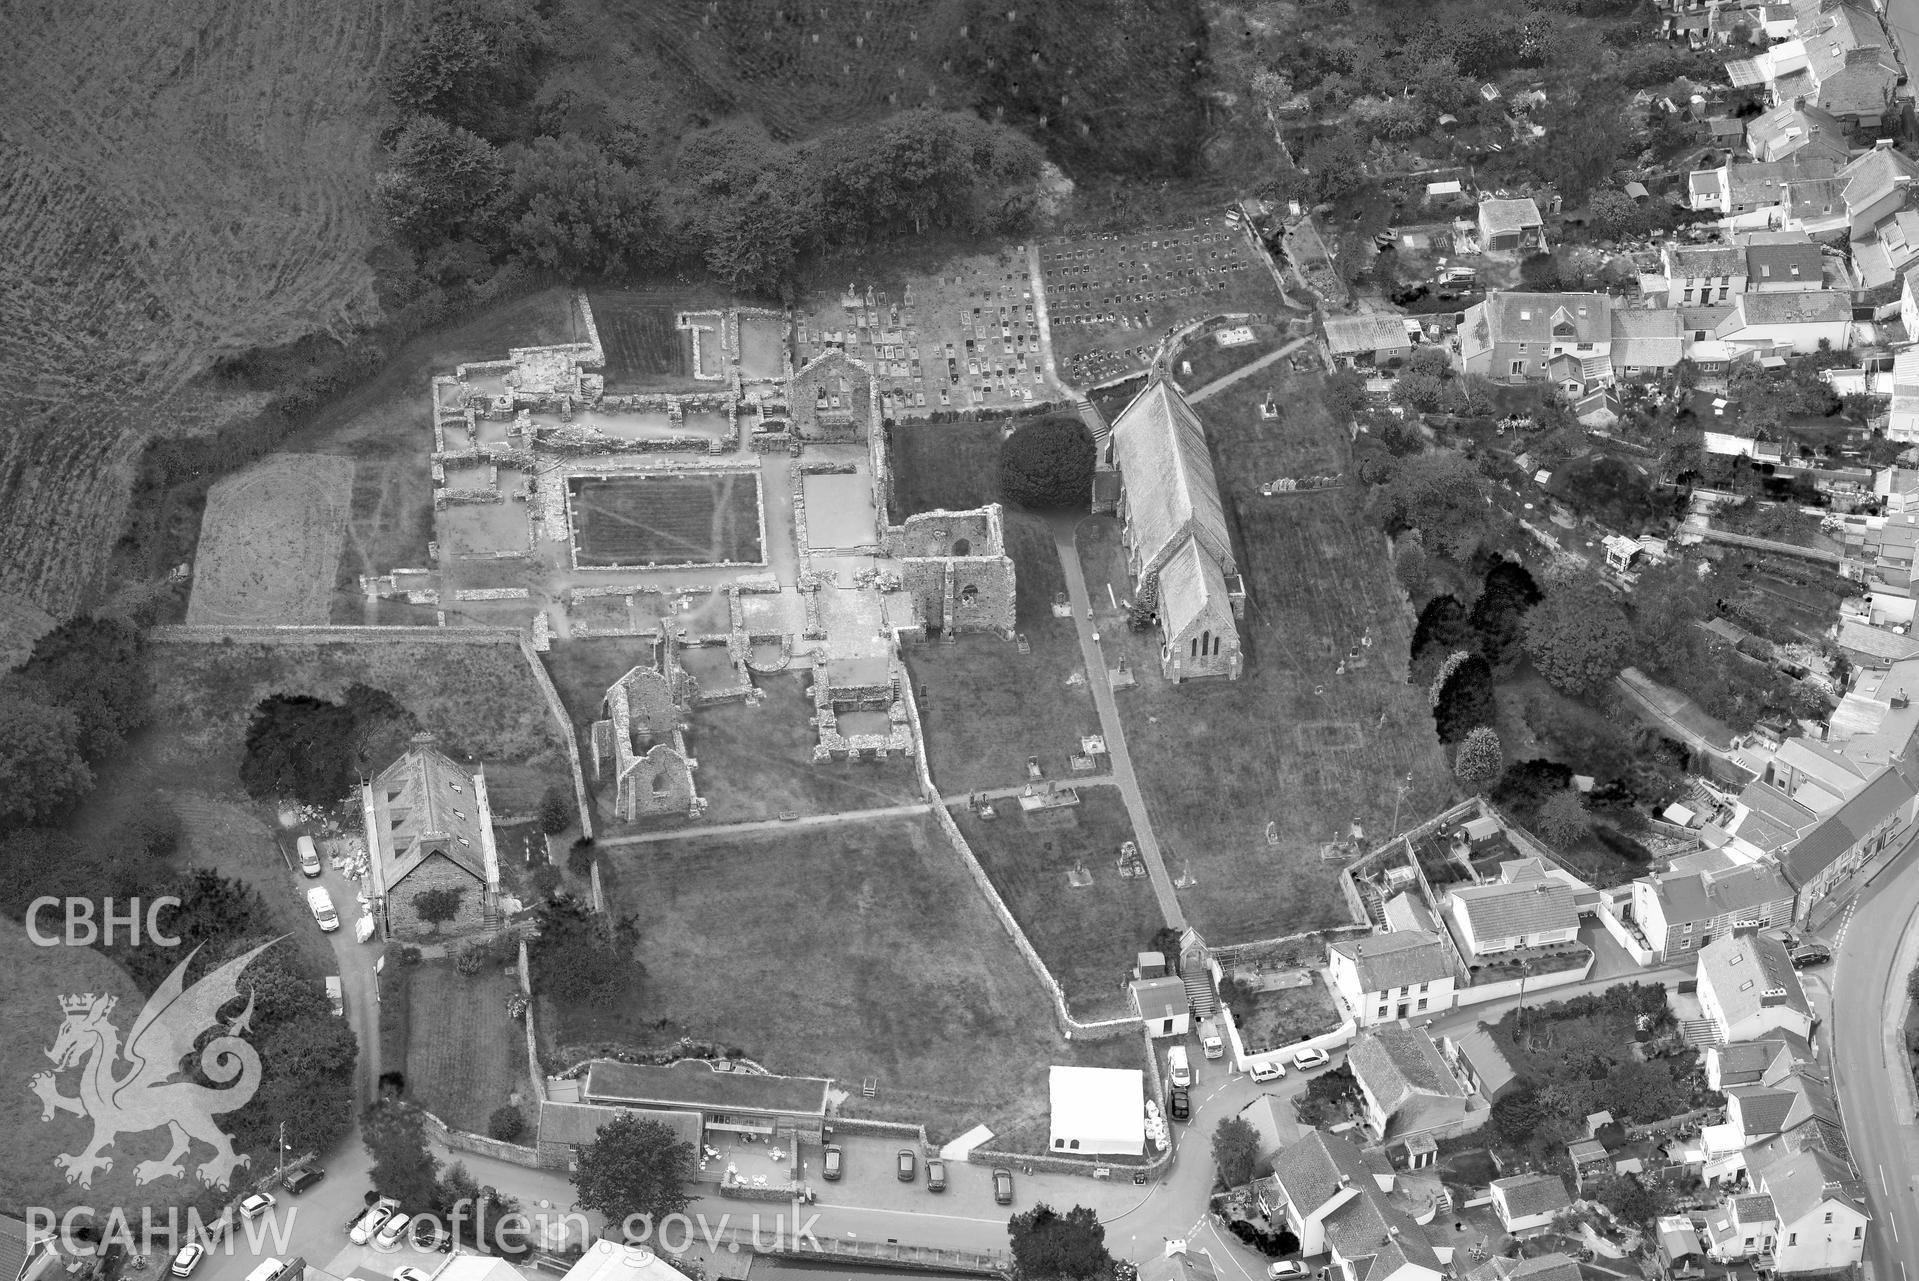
(464, 1056)
(270, 542)
(686, 519)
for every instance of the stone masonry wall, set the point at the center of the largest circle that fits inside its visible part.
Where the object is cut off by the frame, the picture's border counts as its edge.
(437, 872)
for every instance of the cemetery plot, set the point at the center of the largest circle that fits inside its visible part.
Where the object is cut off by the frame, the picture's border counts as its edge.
(645, 350)
(964, 337)
(698, 519)
(1113, 298)
(270, 542)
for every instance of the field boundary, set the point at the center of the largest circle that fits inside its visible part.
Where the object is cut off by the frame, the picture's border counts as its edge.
(293, 634)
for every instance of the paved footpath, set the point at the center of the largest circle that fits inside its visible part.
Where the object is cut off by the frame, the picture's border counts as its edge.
(1247, 371)
(1128, 782)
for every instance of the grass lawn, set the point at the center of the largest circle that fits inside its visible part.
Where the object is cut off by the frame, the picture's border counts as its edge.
(1287, 1016)
(1090, 936)
(464, 1056)
(1209, 360)
(1294, 741)
(944, 466)
(985, 706)
(861, 951)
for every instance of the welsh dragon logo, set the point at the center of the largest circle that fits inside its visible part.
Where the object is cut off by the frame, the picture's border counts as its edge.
(142, 1085)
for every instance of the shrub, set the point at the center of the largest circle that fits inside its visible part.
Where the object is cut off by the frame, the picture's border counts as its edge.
(579, 859)
(1048, 465)
(506, 1124)
(543, 881)
(556, 810)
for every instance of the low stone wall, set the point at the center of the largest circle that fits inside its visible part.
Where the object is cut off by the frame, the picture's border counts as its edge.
(478, 1144)
(880, 1129)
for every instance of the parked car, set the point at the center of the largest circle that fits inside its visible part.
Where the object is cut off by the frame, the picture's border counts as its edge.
(1307, 1060)
(320, 903)
(1182, 1104)
(391, 1230)
(430, 1236)
(908, 1166)
(1810, 954)
(188, 1259)
(256, 1205)
(1266, 1071)
(834, 1164)
(301, 1178)
(309, 857)
(411, 1274)
(1002, 1185)
(266, 1270)
(371, 1221)
(1286, 1268)
(936, 1175)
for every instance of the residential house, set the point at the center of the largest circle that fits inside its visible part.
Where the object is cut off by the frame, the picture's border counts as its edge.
(1839, 61)
(1819, 1204)
(1756, 194)
(1511, 225)
(1679, 912)
(1878, 184)
(1543, 1267)
(1742, 1227)
(26, 1253)
(1903, 425)
(1489, 919)
(1314, 1178)
(1758, 1112)
(734, 1103)
(1749, 990)
(1788, 323)
(1374, 339)
(1404, 1082)
(1371, 1239)
(1885, 254)
(1646, 342)
(602, 1260)
(1866, 826)
(1385, 977)
(1163, 1006)
(1274, 1121)
(1515, 337)
(1795, 128)
(1407, 911)
(1677, 1246)
(1479, 1062)
(428, 827)
(1529, 1202)
(1703, 273)
(1794, 265)
(1179, 1262)
(1174, 527)
(1763, 1062)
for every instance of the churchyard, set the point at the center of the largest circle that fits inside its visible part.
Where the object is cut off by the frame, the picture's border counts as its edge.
(877, 958)
(1060, 873)
(270, 543)
(1114, 296)
(965, 335)
(1321, 737)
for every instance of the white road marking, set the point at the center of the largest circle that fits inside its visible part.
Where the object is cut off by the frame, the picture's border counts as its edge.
(1882, 1180)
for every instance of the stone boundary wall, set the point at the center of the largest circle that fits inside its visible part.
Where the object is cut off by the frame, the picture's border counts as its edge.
(524, 972)
(1070, 1027)
(873, 1129)
(480, 1145)
(180, 633)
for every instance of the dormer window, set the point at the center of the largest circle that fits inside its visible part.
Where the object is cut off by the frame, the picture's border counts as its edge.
(455, 786)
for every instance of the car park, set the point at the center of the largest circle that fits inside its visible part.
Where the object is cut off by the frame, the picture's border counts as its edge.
(188, 1259)
(391, 1231)
(907, 1165)
(256, 1205)
(1266, 1071)
(936, 1175)
(300, 1178)
(835, 1163)
(1307, 1060)
(1002, 1185)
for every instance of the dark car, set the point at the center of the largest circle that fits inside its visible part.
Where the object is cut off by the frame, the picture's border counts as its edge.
(830, 1170)
(908, 1165)
(1182, 1106)
(1809, 954)
(427, 1235)
(1002, 1185)
(298, 1181)
(936, 1175)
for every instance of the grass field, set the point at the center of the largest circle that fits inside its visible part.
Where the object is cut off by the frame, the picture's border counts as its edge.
(464, 1056)
(270, 543)
(644, 349)
(862, 952)
(1294, 741)
(943, 466)
(986, 707)
(666, 520)
(1089, 937)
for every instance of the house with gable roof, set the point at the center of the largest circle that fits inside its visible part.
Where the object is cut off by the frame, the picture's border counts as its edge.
(1702, 274)
(1819, 1206)
(1742, 1227)
(1334, 1199)
(1511, 225)
(1903, 423)
(1758, 1112)
(1543, 1267)
(1646, 342)
(1878, 184)
(1405, 1083)
(1678, 913)
(1792, 263)
(1530, 337)
(1179, 1262)
(1371, 1239)
(1529, 1202)
(1788, 323)
(1400, 974)
(1173, 524)
(1866, 826)
(1839, 61)
(429, 827)
(1749, 990)
(1794, 128)
(1489, 919)
(1371, 339)
(1763, 1062)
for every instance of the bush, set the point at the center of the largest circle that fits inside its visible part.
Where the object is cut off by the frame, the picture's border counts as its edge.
(506, 1124)
(579, 859)
(1048, 465)
(543, 881)
(556, 810)
(406, 954)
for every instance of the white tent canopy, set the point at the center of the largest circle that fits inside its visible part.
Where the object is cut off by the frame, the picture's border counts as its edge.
(1099, 1110)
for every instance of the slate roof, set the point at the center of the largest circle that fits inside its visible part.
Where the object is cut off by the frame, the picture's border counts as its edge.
(1401, 958)
(1179, 1265)
(1813, 306)
(1544, 1267)
(1762, 1109)
(1691, 262)
(1404, 911)
(423, 804)
(1749, 973)
(1378, 1239)
(1759, 1062)
(15, 1244)
(1168, 474)
(1190, 582)
(1771, 264)
(1846, 826)
(1374, 331)
(1699, 897)
(1529, 1194)
(1646, 339)
(1530, 318)
(1874, 174)
(1161, 998)
(1787, 129)
(1519, 214)
(1310, 1172)
(1800, 1183)
(576, 1124)
(1398, 1062)
(1488, 1062)
(1508, 911)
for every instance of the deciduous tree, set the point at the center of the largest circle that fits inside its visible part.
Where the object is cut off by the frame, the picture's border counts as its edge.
(438, 906)
(1563, 819)
(1049, 1246)
(96, 669)
(42, 768)
(403, 1167)
(1235, 1151)
(581, 955)
(1443, 496)
(635, 1167)
(1498, 618)
(1578, 638)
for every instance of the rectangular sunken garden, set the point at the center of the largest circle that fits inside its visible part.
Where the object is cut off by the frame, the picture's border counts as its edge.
(694, 518)
(645, 348)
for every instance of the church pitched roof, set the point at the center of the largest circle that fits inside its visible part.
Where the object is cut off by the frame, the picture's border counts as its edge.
(1171, 489)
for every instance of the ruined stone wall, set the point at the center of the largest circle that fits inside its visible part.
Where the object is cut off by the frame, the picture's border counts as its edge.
(948, 533)
(831, 398)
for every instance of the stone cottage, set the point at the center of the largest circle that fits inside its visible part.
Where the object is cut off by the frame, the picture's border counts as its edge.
(428, 827)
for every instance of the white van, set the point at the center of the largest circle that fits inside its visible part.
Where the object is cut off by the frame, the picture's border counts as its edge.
(1177, 1067)
(320, 903)
(268, 1269)
(309, 857)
